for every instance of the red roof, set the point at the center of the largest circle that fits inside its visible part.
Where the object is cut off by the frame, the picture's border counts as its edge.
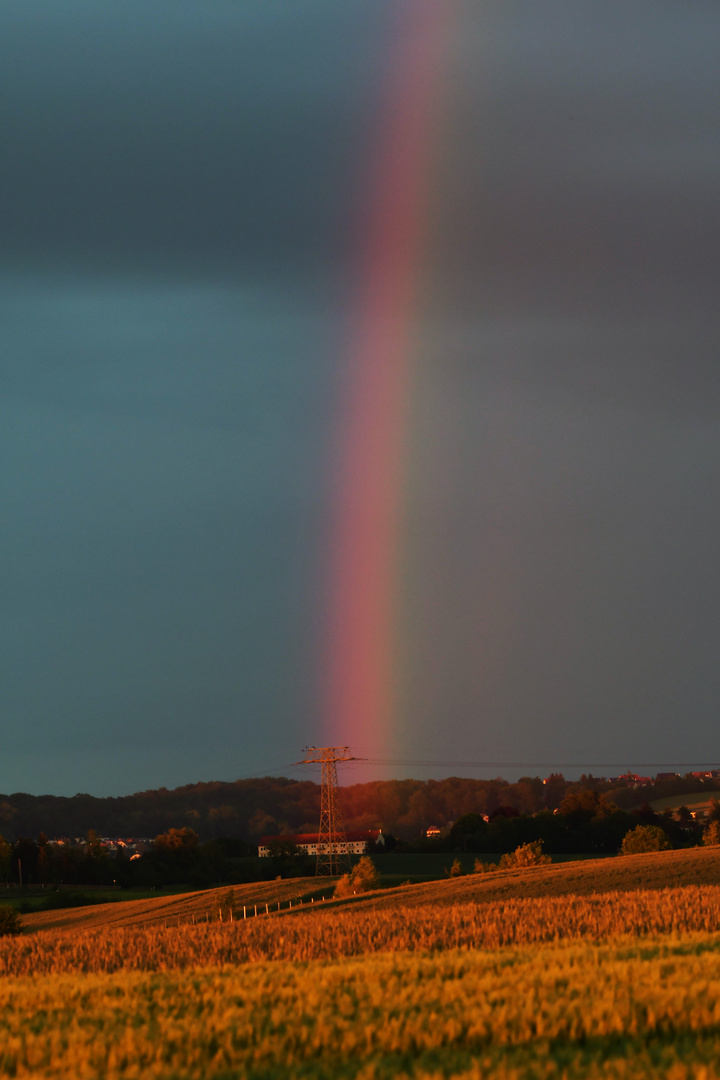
(313, 838)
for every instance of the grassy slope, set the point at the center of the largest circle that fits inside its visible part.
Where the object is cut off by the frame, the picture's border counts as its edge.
(697, 800)
(658, 870)
(175, 908)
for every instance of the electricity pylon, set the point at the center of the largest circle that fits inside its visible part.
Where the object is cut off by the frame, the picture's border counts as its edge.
(332, 854)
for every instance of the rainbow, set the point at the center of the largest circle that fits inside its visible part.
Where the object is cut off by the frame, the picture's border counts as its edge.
(361, 652)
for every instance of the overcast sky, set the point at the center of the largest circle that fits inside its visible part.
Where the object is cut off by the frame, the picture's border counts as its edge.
(179, 202)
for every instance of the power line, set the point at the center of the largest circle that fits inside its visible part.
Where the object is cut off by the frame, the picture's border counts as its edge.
(359, 762)
(541, 764)
(333, 856)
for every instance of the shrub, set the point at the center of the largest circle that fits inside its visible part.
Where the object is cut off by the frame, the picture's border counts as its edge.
(711, 836)
(484, 867)
(456, 869)
(224, 905)
(9, 921)
(362, 878)
(177, 840)
(644, 838)
(343, 887)
(526, 855)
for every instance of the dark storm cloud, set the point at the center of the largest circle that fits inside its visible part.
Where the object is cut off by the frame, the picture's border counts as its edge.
(577, 210)
(175, 180)
(574, 599)
(160, 488)
(203, 354)
(179, 137)
(182, 184)
(588, 144)
(570, 392)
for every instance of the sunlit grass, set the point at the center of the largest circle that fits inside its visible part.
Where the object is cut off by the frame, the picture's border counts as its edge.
(352, 931)
(619, 1009)
(618, 985)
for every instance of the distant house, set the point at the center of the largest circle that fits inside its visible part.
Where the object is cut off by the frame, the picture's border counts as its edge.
(353, 843)
(432, 830)
(634, 781)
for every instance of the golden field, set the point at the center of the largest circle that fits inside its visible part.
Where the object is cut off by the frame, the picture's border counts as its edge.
(467, 984)
(178, 908)
(621, 1009)
(656, 870)
(353, 931)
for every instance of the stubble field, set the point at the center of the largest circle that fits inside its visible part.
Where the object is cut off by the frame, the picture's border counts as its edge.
(612, 984)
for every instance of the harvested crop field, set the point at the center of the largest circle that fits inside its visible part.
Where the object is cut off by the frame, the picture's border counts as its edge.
(657, 870)
(654, 870)
(467, 978)
(352, 931)
(180, 908)
(571, 1011)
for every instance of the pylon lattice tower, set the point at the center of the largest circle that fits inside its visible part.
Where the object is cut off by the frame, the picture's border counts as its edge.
(333, 856)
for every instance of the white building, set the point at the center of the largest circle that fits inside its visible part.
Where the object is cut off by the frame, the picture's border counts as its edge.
(353, 843)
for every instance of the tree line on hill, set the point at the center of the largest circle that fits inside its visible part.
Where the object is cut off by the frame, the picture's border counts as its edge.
(174, 857)
(586, 822)
(248, 809)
